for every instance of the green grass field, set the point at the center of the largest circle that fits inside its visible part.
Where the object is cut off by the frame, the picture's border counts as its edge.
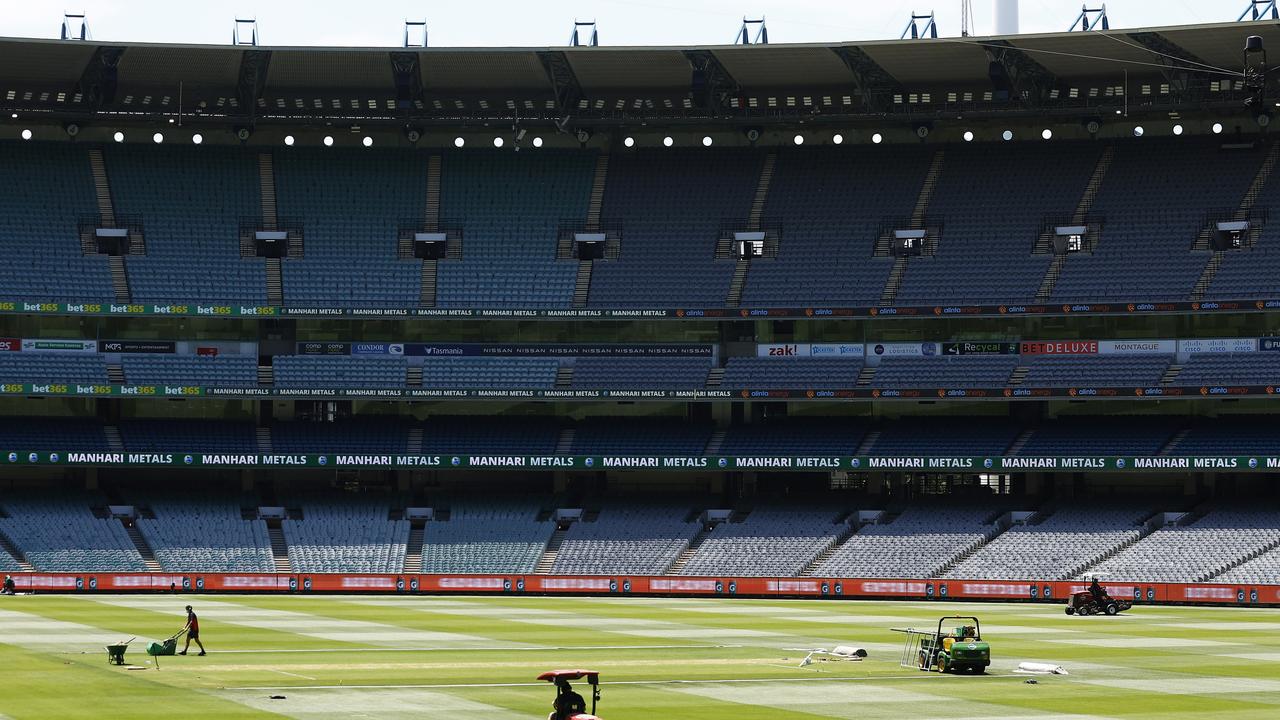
(476, 657)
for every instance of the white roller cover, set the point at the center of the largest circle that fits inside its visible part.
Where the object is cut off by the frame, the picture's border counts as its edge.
(1042, 668)
(849, 652)
(1006, 14)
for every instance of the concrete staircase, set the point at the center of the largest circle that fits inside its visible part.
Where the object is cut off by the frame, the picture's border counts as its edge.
(263, 441)
(868, 442)
(413, 551)
(114, 441)
(119, 278)
(890, 293)
(101, 188)
(115, 374)
(739, 282)
(267, 190)
(549, 553)
(564, 377)
(1044, 243)
(279, 547)
(1171, 374)
(144, 548)
(1019, 442)
(677, 566)
(715, 442)
(1174, 442)
(7, 546)
(1242, 213)
(427, 283)
(865, 376)
(564, 444)
(812, 566)
(582, 283)
(414, 444)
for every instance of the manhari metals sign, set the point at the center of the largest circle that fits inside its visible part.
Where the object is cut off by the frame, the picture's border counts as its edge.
(772, 463)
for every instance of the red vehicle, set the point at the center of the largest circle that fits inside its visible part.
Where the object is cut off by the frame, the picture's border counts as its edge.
(569, 705)
(1085, 603)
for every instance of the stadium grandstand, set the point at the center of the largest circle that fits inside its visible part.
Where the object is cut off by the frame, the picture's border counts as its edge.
(916, 310)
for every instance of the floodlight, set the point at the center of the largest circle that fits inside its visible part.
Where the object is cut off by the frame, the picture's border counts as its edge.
(968, 136)
(328, 141)
(26, 133)
(537, 142)
(706, 141)
(837, 138)
(288, 140)
(1007, 134)
(367, 141)
(118, 136)
(1177, 129)
(1047, 134)
(157, 138)
(197, 139)
(629, 142)
(459, 142)
(1217, 128)
(497, 142)
(667, 141)
(1137, 131)
(877, 138)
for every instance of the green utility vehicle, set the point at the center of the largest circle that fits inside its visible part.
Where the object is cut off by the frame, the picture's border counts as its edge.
(956, 649)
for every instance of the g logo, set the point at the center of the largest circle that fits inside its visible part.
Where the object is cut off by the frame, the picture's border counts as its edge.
(1151, 594)
(928, 590)
(506, 584)
(520, 584)
(306, 584)
(719, 586)
(93, 583)
(826, 588)
(1137, 593)
(1253, 595)
(399, 584)
(733, 587)
(293, 584)
(413, 584)
(1240, 596)
(1047, 592)
(79, 583)
(613, 586)
(942, 590)
(1035, 592)
(186, 583)
(200, 583)
(626, 586)
(839, 588)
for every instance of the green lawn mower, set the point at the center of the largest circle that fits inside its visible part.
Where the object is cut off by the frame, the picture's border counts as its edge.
(957, 649)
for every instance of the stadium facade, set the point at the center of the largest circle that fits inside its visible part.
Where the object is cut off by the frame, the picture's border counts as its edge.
(959, 318)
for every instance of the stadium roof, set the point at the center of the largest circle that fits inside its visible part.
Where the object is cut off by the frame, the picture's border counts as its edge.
(1157, 69)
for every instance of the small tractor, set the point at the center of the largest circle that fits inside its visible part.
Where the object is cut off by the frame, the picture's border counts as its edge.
(568, 704)
(1086, 603)
(958, 649)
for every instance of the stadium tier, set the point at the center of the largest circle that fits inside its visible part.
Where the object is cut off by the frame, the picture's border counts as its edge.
(829, 216)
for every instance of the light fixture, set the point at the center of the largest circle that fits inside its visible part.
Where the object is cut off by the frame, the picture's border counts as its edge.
(497, 142)
(706, 141)
(968, 136)
(1007, 134)
(459, 142)
(72, 129)
(367, 141)
(14, 116)
(26, 133)
(1047, 134)
(1093, 126)
(629, 142)
(798, 139)
(877, 138)
(118, 136)
(537, 142)
(157, 138)
(243, 133)
(197, 139)
(837, 138)
(328, 141)
(1217, 128)
(1177, 129)
(667, 141)
(1137, 131)
(288, 140)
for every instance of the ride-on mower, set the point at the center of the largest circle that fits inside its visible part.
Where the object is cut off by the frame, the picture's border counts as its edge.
(958, 649)
(568, 704)
(1086, 603)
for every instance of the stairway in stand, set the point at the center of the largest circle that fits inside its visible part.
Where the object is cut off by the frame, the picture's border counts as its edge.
(144, 548)
(413, 552)
(279, 547)
(548, 559)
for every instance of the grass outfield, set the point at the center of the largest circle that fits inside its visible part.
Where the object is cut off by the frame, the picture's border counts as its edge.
(447, 657)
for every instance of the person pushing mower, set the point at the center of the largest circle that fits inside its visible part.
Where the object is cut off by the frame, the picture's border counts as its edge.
(10, 587)
(192, 630)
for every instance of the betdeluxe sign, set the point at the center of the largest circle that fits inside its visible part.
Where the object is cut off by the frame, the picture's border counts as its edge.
(1058, 347)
